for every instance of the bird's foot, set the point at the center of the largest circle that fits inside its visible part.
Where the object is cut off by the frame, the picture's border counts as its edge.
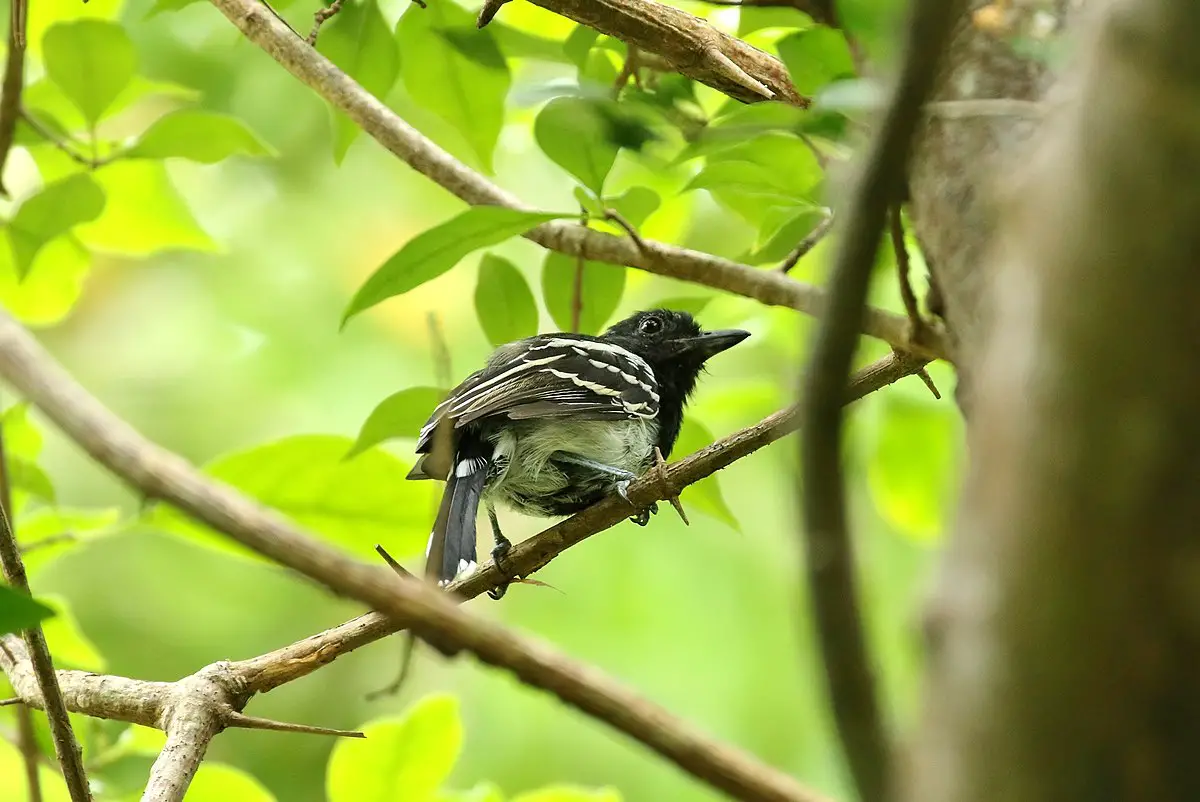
(499, 553)
(667, 489)
(642, 517)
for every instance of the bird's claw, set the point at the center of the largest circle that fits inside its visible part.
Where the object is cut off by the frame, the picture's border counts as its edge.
(499, 553)
(643, 516)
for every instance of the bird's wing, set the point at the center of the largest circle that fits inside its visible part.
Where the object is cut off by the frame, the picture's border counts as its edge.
(552, 376)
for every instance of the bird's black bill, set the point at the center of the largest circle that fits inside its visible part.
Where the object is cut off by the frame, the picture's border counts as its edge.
(710, 343)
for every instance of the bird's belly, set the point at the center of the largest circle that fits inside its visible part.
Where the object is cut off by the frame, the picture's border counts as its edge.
(533, 482)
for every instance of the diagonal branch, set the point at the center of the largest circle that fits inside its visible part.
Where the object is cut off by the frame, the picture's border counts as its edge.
(830, 561)
(398, 137)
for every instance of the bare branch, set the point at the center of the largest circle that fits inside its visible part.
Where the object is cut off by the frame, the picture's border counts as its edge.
(14, 83)
(376, 119)
(830, 561)
(808, 243)
(320, 17)
(70, 756)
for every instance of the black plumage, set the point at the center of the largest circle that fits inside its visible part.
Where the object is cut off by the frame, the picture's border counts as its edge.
(553, 423)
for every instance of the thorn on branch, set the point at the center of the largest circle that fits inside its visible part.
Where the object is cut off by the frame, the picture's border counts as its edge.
(241, 720)
(320, 18)
(725, 67)
(486, 14)
(667, 489)
(807, 244)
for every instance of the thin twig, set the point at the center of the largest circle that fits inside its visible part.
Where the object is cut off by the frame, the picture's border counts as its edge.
(488, 11)
(808, 243)
(31, 755)
(830, 563)
(903, 270)
(236, 719)
(70, 756)
(91, 162)
(612, 215)
(51, 540)
(628, 70)
(320, 18)
(14, 82)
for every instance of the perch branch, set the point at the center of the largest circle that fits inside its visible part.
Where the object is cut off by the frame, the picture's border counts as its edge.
(14, 83)
(401, 139)
(830, 560)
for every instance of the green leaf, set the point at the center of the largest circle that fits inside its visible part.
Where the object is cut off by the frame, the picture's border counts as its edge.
(21, 438)
(636, 204)
(401, 758)
(816, 57)
(144, 214)
(569, 793)
(51, 213)
(401, 414)
(352, 503)
(601, 290)
(692, 305)
(773, 169)
(169, 5)
(741, 124)
(588, 202)
(455, 71)
(504, 302)
(50, 105)
(218, 782)
(579, 43)
(91, 61)
(44, 522)
(782, 230)
(705, 495)
(12, 766)
(433, 252)
(53, 285)
(359, 41)
(18, 611)
(27, 476)
(516, 43)
(912, 469)
(198, 135)
(69, 645)
(576, 136)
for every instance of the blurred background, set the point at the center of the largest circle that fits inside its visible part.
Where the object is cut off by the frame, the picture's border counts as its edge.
(206, 311)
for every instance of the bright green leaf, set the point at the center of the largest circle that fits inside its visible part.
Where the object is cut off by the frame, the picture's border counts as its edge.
(144, 213)
(771, 170)
(359, 41)
(693, 305)
(467, 91)
(913, 467)
(401, 758)
(484, 792)
(169, 5)
(51, 213)
(21, 437)
(588, 202)
(579, 43)
(51, 106)
(49, 532)
(18, 611)
(577, 137)
(503, 302)
(53, 285)
(401, 414)
(218, 782)
(636, 204)
(600, 293)
(782, 230)
(27, 476)
(202, 136)
(70, 647)
(12, 767)
(705, 494)
(516, 43)
(741, 124)
(816, 57)
(433, 252)
(353, 503)
(569, 793)
(92, 61)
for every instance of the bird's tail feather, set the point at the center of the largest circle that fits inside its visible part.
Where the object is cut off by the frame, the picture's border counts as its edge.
(452, 542)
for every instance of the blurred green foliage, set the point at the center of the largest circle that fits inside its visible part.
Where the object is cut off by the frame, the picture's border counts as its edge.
(188, 248)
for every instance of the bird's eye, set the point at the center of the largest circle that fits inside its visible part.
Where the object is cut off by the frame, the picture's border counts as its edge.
(650, 325)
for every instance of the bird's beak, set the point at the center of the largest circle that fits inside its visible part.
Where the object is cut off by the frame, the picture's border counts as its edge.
(710, 343)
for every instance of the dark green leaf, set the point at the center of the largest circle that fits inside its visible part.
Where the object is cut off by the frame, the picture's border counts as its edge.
(405, 757)
(515, 43)
(635, 205)
(781, 232)
(27, 476)
(741, 124)
(435, 251)
(579, 44)
(467, 91)
(401, 414)
(359, 42)
(169, 5)
(815, 58)
(755, 18)
(201, 136)
(51, 213)
(705, 494)
(504, 302)
(577, 137)
(18, 611)
(91, 60)
(602, 287)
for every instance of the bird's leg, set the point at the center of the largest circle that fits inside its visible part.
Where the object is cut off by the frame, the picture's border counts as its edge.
(624, 478)
(668, 491)
(499, 551)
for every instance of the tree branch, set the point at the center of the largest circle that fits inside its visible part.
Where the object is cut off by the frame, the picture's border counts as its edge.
(70, 756)
(830, 560)
(401, 139)
(14, 83)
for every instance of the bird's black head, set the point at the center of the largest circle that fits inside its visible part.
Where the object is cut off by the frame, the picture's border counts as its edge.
(676, 349)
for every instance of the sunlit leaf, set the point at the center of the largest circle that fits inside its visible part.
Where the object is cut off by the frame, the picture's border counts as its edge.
(144, 213)
(516, 43)
(27, 476)
(54, 109)
(601, 288)
(912, 468)
(579, 43)
(771, 170)
(577, 137)
(635, 204)
(816, 57)
(455, 70)
(359, 41)
(18, 611)
(49, 532)
(401, 414)
(92, 61)
(741, 124)
(569, 793)
(12, 767)
(53, 285)
(21, 437)
(405, 757)
(69, 645)
(782, 230)
(51, 213)
(354, 503)
(485, 792)
(161, 6)
(503, 301)
(435, 251)
(219, 782)
(198, 135)
(705, 495)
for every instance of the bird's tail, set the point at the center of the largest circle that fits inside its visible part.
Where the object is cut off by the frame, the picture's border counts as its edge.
(452, 543)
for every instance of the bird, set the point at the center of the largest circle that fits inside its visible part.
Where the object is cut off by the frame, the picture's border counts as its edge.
(554, 423)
